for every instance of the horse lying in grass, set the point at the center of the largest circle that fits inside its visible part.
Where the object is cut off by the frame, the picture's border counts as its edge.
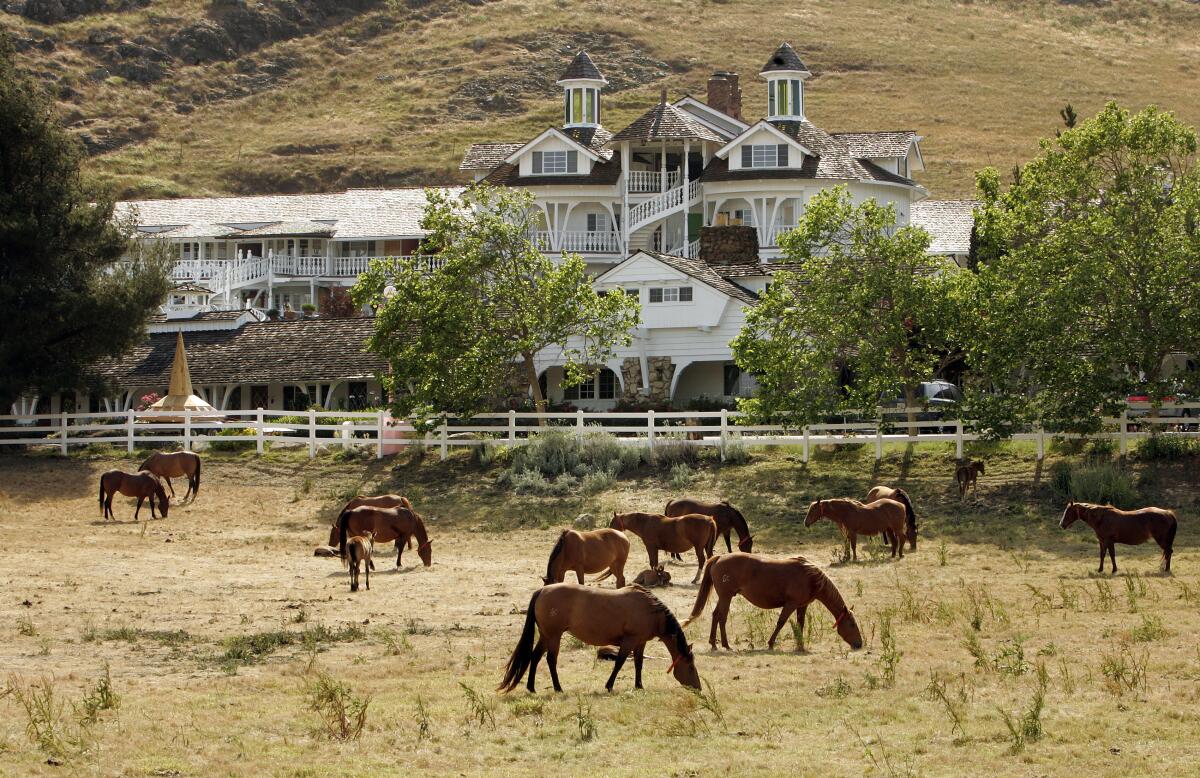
(788, 584)
(141, 485)
(174, 465)
(854, 519)
(910, 515)
(725, 515)
(1131, 528)
(654, 578)
(398, 524)
(626, 618)
(602, 550)
(676, 534)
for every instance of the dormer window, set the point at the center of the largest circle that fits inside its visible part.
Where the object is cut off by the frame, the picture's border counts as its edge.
(765, 155)
(548, 163)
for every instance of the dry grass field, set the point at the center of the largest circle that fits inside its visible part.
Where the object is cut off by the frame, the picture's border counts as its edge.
(218, 628)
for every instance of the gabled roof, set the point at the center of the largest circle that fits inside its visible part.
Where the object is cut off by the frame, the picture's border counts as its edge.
(699, 108)
(582, 67)
(700, 271)
(784, 58)
(776, 128)
(665, 122)
(485, 156)
(948, 222)
(553, 132)
(602, 174)
(894, 143)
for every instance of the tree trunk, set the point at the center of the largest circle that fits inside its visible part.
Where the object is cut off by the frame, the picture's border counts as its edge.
(535, 388)
(910, 401)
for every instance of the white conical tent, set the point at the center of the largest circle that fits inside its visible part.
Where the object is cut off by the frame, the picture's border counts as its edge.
(179, 394)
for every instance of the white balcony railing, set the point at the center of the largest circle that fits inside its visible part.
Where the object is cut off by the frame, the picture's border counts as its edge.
(217, 274)
(578, 241)
(649, 181)
(775, 233)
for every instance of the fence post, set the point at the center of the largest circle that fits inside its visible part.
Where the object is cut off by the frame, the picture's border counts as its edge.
(804, 449)
(62, 432)
(958, 439)
(724, 430)
(129, 430)
(879, 436)
(650, 430)
(1041, 443)
(187, 430)
(258, 431)
(445, 444)
(379, 436)
(512, 427)
(312, 433)
(579, 424)
(1124, 431)
(347, 429)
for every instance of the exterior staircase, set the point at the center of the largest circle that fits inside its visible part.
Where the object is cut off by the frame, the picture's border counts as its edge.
(657, 208)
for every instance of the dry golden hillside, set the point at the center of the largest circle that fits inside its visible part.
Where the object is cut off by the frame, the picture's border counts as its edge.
(180, 97)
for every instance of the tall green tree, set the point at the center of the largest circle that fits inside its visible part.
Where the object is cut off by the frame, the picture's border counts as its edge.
(1093, 273)
(867, 301)
(65, 298)
(464, 334)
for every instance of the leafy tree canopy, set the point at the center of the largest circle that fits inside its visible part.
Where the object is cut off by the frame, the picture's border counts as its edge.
(866, 300)
(66, 300)
(1090, 273)
(455, 336)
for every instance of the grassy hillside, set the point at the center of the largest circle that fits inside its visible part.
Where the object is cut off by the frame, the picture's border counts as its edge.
(181, 97)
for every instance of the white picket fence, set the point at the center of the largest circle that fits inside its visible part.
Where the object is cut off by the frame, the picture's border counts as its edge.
(376, 429)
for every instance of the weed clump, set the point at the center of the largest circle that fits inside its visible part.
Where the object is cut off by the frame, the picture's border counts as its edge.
(342, 713)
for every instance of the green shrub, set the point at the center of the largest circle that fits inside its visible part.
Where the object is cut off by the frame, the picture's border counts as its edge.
(551, 453)
(682, 476)
(555, 462)
(670, 452)
(1105, 484)
(737, 453)
(1167, 448)
(231, 446)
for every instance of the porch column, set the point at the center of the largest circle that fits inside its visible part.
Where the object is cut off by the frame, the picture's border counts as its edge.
(626, 160)
(663, 168)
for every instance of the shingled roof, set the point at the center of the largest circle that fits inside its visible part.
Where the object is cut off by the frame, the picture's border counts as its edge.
(892, 143)
(948, 222)
(486, 156)
(665, 122)
(705, 273)
(582, 67)
(784, 58)
(300, 350)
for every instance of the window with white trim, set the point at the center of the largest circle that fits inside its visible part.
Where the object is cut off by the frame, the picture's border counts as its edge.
(597, 222)
(764, 155)
(601, 386)
(555, 162)
(670, 294)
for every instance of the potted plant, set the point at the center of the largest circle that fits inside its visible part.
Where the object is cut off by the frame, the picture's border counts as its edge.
(309, 310)
(273, 314)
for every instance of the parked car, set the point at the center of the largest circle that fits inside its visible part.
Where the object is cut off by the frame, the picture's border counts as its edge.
(935, 396)
(1166, 413)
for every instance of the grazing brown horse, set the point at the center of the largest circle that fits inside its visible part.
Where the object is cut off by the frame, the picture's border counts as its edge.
(602, 550)
(967, 476)
(654, 578)
(142, 485)
(788, 584)
(174, 465)
(380, 501)
(398, 524)
(358, 553)
(910, 515)
(1131, 528)
(627, 618)
(725, 515)
(855, 519)
(670, 533)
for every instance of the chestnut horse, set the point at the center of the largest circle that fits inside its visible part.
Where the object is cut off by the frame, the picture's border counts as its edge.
(380, 501)
(788, 584)
(627, 618)
(602, 550)
(855, 519)
(725, 515)
(654, 578)
(358, 554)
(910, 515)
(1131, 528)
(143, 485)
(398, 524)
(670, 533)
(174, 465)
(967, 477)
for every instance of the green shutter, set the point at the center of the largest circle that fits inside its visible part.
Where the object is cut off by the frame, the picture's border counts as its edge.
(566, 106)
(781, 155)
(747, 156)
(572, 161)
(797, 106)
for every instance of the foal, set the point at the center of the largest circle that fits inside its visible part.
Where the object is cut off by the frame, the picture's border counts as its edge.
(358, 552)
(967, 476)
(1131, 528)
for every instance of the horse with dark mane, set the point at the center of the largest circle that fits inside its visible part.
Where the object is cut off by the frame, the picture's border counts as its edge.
(141, 485)
(725, 515)
(1131, 528)
(173, 465)
(598, 551)
(398, 524)
(677, 534)
(900, 496)
(967, 477)
(627, 618)
(788, 584)
(854, 519)
(379, 501)
(357, 554)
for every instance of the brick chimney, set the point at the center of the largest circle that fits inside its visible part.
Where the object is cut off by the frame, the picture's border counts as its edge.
(724, 94)
(729, 245)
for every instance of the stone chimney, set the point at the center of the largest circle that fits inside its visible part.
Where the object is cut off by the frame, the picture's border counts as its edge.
(730, 245)
(724, 94)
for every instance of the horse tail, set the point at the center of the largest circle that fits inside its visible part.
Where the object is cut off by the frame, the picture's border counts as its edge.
(102, 495)
(144, 465)
(196, 485)
(602, 576)
(343, 524)
(1169, 546)
(706, 585)
(667, 507)
(554, 554)
(522, 655)
(910, 515)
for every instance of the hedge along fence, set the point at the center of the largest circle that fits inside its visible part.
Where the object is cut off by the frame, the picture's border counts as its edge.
(340, 429)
